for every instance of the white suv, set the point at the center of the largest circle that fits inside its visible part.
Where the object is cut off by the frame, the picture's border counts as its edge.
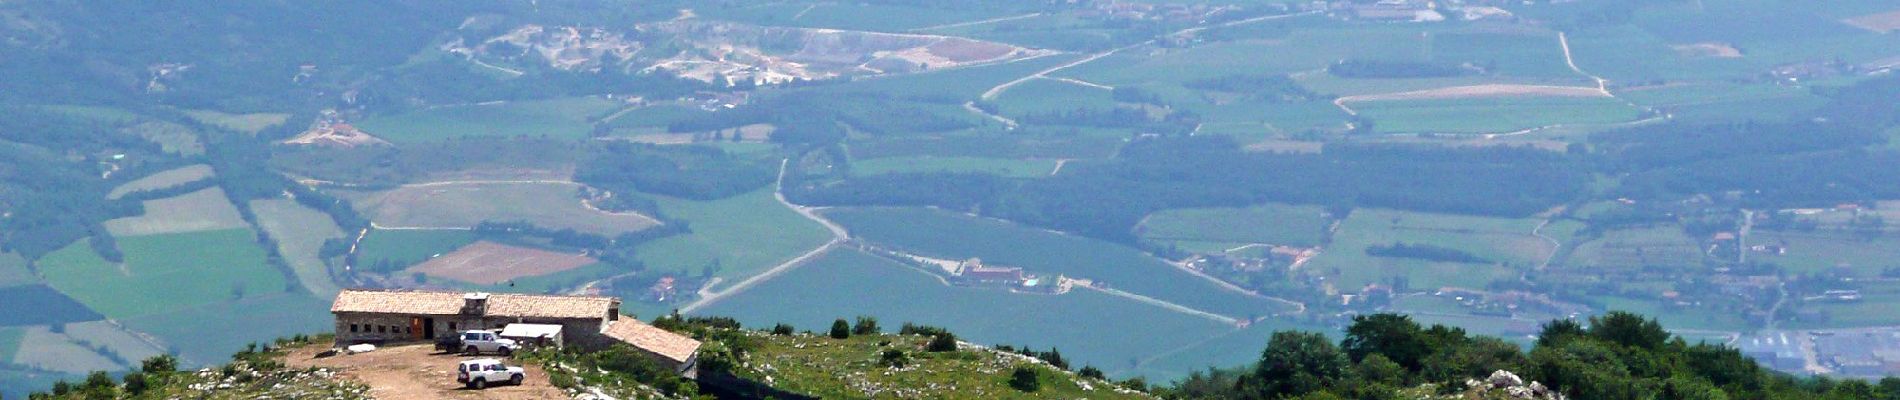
(477, 374)
(478, 342)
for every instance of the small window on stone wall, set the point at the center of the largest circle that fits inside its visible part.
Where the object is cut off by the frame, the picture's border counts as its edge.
(382, 329)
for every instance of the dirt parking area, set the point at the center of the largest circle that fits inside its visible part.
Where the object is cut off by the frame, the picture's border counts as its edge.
(417, 372)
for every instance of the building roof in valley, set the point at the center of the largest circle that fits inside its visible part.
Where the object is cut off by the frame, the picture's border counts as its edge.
(671, 345)
(418, 302)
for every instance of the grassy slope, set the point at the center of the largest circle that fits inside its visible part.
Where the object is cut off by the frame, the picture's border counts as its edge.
(164, 273)
(946, 235)
(742, 234)
(1089, 327)
(300, 232)
(833, 368)
(1269, 224)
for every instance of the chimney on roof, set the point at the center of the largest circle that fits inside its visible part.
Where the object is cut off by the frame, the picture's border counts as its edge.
(475, 303)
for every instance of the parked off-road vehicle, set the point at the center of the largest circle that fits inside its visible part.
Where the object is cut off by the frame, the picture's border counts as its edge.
(479, 342)
(478, 374)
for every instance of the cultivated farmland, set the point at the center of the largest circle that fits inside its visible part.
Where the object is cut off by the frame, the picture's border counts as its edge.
(204, 210)
(996, 166)
(1632, 248)
(1218, 229)
(570, 118)
(209, 333)
(456, 205)
(164, 273)
(737, 236)
(41, 348)
(491, 263)
(163, 179)
(941, 234)
(1506, 244)
(300, 233)
(1090, 327)
(13, 271)
(246, 123)
(403, 248)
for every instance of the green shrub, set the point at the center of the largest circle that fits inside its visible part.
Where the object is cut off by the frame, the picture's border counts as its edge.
(840, 329)
(782, 330)
(894, 358)
(865, 326)
(942, 343)
(1024, 379)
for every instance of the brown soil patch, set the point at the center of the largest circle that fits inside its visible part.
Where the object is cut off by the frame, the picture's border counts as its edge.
(1882, 22)
(1480, 91)
(490, 263)
(1708, 49)
(417, 372)
(965, 50)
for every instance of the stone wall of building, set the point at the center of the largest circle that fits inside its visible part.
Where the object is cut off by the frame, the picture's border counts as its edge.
(353, 328)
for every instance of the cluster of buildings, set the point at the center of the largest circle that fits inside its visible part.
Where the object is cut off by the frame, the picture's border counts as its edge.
(973, 272)
(390, 316)
(1865, 353)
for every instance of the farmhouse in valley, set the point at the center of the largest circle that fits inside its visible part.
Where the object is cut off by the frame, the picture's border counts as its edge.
(381, 316)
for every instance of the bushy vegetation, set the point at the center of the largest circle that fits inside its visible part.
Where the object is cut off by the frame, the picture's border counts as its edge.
(1614, 356)
(692, 172)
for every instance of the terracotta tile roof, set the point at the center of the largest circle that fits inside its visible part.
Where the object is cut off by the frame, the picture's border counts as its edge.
(450, 303)
(671, 345)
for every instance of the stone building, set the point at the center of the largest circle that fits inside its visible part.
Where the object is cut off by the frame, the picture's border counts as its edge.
(385, 316)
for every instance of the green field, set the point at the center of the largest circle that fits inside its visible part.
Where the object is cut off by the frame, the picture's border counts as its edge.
(403, 248)
(209, 333)
(1818, 252)
(163, 179)
(246, 123)
(958, 83)
(13, 271)
(652, 119)
(1634, 248)
(1046, 96)
(465, 205)
(560, 118)
(300, 233)
(741, 235)
(996, 166)
(163, 273)
(1717, 102)
(41, 348)
(848, 16)
(1304, 50)
(203, 210)
(941, 234)
(1506, 242)
(10, 343)
(1089, 327)
(1277, 224)
(170, 137)
(1492, 115)
(114, 339)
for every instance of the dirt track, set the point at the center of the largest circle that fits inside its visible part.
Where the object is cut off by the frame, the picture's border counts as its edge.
(416, 372)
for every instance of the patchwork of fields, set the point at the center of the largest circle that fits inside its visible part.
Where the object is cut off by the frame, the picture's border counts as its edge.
(462, 205)
(1090, 328)
(570, 118)
(165, 273)
(1223, 229)
(1507, 245)
(940, 234)
(203, 210)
